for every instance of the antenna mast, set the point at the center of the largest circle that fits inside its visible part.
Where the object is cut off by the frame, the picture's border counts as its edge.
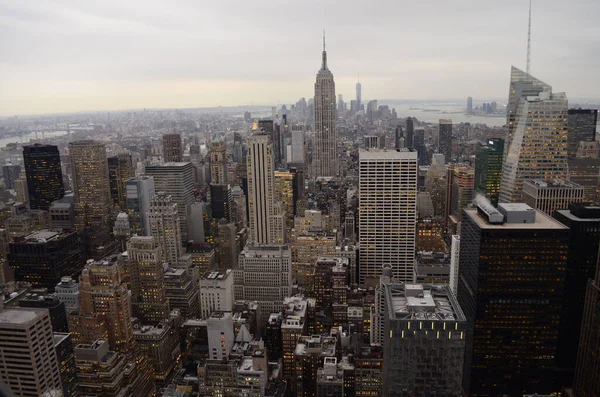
(529, 41)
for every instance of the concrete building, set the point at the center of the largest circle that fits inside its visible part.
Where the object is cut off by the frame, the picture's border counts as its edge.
(549, 195)
(218, 162)
(139, 191)
(165, 227)
(160, 343)
(177, 180)
(65, 355)
(310, 353)
(220, 335)
(216, 292)
(172, 148)
(181, 288)
(294, 325)
(67, 291)
(195, 215)
(29, 366)
(62, 213)
(120, 170)
(424, 341)
(387, 212)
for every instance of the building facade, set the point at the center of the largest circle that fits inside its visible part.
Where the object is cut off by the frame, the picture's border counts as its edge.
(44, 175)
(549, 195)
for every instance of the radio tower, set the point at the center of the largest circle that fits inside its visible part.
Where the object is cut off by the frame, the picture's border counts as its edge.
(529, 41)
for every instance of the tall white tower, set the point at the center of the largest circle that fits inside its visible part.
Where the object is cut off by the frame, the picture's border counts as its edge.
(164, 227)
(325, 158)
(387, 213)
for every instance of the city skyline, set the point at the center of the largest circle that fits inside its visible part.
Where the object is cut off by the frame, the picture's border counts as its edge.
(113, 57)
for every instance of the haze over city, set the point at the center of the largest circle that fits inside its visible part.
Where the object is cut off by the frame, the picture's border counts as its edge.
(68, 55)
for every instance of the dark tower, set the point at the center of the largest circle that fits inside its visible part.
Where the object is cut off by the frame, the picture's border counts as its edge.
(44, 175)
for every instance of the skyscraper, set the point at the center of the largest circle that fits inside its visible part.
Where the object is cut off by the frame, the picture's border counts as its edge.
(488, 169)
(425, 341)
(218, 163)
(549, 195)
(387, 213)
(261, 196)
(28, 366)
(587, 381)
(10, 173)
(510, 287)
(445, 139)
(358, 95)
(172, 148)
(534, 115)
(44, 175)
(325, 158)
(149, 301)
(581, 127)
(459, 194)
(89, 169)
(176, 180)
(164, 227)
(139, 191)
(120, 169)
(470, 105)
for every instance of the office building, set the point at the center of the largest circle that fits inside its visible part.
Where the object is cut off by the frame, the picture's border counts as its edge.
(65, 356)
(218, 162)
(513, 328)
(586, 172)
(325, 157)
(99, 368)
(10, 173)
(176, 180)
(44, 175)
(21, 190)
(220, 335)
(445, 139)
(581, 127)
(216, 292)
(67, 291)
(160, 343)
(424, 343)
(203, 256)
(122, 231)
(103, 293)
(62, 213)
(239, 207)
(587, 381)
(181, 288)
(285, 192)
(139, 191)
(29, 366)
(145, 263)
(120, 170)
(549, 195)
(227, 246)
(358, 95)
(534, 114)
(460, 181)
(172, 148)
(371, 141)
(387, 212)
(261, 184)
(56, 308)
(488, 169)
(309, 356)
(220, 202)
(165, 227)
(306, 248)
(43, 258)
(264, 274)
(469, 105)
(583, 222)
(93, 203)
(196, 213)
(293, 326)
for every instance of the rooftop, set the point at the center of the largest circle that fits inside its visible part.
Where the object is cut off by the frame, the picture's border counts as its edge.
(552, 183)
(382, 154)
(542, 221)
(422, 302)
(17, 317)
(170, 164)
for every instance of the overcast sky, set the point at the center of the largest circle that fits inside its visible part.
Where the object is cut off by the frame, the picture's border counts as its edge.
(73, 55)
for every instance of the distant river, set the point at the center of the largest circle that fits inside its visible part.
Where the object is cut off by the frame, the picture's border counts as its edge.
(26, 137)
(434, 111)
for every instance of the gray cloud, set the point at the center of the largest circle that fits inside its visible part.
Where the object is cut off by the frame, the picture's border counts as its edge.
(403, 50)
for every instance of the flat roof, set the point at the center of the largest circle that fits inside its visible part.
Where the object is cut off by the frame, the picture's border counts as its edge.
(553, 183)
(571, 216)
(422, 302)
(381, 154)
(20, 316)
(542, 221)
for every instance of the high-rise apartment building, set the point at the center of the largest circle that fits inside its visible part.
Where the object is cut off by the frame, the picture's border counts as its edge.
(146, 274)
(488, 169)
(587, 381)
(176, 180)
(172, 148)
(42, 258)
(424, 343)
(581, 127)
(387, 212)
(264, 274)
(583, 222)
(325, 157)
(513, 322)
(549, 195)
(165, 228)
(218, 162)
(534, 114)
(93, 203)
(261, 183)
(28, 364)
(445, 139)
(120, 170)
(139, 191)
(44, 175)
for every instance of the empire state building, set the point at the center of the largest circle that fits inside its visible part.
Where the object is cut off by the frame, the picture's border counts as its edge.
(325, 158)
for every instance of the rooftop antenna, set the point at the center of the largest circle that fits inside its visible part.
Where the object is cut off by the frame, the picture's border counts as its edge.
(529, 41)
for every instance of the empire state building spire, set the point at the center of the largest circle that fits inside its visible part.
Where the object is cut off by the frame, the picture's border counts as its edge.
(325, 159)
